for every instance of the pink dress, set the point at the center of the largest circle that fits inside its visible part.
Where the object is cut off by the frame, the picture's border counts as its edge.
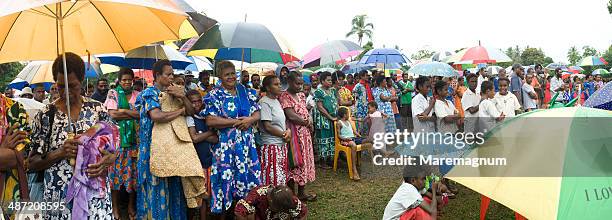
(305, 173)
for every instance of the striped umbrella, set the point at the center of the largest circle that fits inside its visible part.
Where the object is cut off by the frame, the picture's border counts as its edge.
(554, 66)
(575, 69)
(248, 42)
(600, 72)
(41, 71)
(433, 69)
(325, 69)
(440, 56)
(479, 54)
(592, 61)
(330, 52)
(199, 64)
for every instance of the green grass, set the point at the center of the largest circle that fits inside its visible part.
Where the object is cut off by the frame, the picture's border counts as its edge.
(338, 197)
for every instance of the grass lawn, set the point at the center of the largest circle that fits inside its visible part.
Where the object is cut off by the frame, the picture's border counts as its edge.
(338, 197)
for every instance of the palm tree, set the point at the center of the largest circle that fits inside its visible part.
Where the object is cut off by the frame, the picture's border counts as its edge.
(367, 47)
(361, 28)
(573, 56)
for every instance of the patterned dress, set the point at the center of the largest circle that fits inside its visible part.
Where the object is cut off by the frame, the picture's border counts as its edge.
(123, 173)
(162, 198)
(305, 173)
(57, 177)
(385, 108)
(361, 106)
(257, 204)
(324, 128)
(235, 167)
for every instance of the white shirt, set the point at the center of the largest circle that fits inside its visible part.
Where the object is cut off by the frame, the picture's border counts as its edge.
(555, 83)
(480, 80)
(310, 101)
(419, 104)
(507, 104)
(528, 101)
(443, 109)
(468, 100)
(406, 197)
(487, 114)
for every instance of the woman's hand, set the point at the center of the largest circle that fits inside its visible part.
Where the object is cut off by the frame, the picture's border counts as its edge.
(287, 135)
(100, 168)
(244, 123)
(13, 137)
(69, 149)
(176, 91)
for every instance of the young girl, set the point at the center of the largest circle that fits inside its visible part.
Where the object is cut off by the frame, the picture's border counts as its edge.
(488, 113)
(349, 137)
(375, 121)
(445, 110)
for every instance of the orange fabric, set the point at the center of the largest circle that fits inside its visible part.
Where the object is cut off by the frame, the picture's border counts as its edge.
(484, 205)
(394, 104)
(417, 213)
(518, 216)
(460, 92)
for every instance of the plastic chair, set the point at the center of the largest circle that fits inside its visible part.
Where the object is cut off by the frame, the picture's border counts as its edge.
(338, 147)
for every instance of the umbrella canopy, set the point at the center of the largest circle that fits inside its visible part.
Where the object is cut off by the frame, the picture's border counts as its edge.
(235, 41)
(325, 69)
(41, 72)
(600, 72)
(384, 55)
(575, 69)
(144, 57)
(433, 69)
(330, 52)
(354, 67)
(199, 64)
(479, 54)
(441, 56)
(30, 31)
(592, 61)
(601, 99)
(262, 68)
(18, 84)
(554, 66)
(493, 70)
(556, 160)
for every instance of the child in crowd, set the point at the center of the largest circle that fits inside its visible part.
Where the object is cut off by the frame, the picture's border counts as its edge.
(270, 202)
(407, 202)
(488, 113)
(349, 137)
(203, 138)
(375, 122)
(506, 101)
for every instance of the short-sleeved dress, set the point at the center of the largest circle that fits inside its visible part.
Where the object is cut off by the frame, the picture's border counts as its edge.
(385, 108)
(235, 167)
(58, 176)
(443, 109)
(324, 128)
(123, 173)
(305, 173)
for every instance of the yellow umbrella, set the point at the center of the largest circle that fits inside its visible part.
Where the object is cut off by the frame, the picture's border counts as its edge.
(40, 30)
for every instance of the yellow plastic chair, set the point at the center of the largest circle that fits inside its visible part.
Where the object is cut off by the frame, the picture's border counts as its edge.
(347, 150)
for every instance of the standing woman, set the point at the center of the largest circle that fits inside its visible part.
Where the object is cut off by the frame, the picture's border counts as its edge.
(362, 93)
(293, 102)
(326, 99)
(52, 149)
(121, 105)
(383, 97)
(393, 89)
(159, 197)
(274, 134)
(232, 109)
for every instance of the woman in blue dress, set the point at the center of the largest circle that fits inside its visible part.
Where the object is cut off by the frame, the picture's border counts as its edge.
(161, 197)
(232, 109)
(382, 96)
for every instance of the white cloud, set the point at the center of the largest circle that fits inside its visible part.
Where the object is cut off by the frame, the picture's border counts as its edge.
(551, 25)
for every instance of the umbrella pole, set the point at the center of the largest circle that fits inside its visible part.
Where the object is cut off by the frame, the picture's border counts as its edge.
(242, 60)
(61, 26)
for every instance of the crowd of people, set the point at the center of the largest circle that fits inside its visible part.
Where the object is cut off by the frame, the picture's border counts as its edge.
(258, 138)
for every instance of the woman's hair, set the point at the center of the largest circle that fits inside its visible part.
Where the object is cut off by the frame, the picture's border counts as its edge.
(124, 71)
(158, 67)
(323, 76)
(421, 81)
(224, 64)
(485, 86)
(204, 73)
(337, 75)
(282, 198)
(470, 76)
(74, 65)
(362, 73)
(193, 92)
(342, 112)
(293, 75)
(379, 80)
(439, 86)
(373, 104)
(267, 81)
(505, 80)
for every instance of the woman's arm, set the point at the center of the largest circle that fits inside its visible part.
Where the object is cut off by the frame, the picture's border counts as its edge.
(324, 111)
(158, 115)
(37, 163)
(123, 114)
(384, 98)
(205, 136)
(294, 117)
(7, 159)
(273, 130)
(220, 122)
(431, 208)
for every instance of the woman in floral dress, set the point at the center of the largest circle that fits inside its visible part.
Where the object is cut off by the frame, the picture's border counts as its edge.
(363, 95)
(52, 151)
(326, 99)
(382, 96)
(120, 103)
(232, 109)
(293, 102)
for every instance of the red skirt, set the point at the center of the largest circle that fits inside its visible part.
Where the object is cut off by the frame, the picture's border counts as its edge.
(274, 164)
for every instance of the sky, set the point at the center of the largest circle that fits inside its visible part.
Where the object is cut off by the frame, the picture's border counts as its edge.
(437, 25)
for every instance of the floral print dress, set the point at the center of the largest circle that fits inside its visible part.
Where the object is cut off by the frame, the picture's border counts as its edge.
(235, 166)
(385, 108)
(324, 128)
(57, 177)
(162, 198)
(361, 106)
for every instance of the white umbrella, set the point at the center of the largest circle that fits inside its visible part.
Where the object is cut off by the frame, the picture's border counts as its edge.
(31, 106)
(493, 70)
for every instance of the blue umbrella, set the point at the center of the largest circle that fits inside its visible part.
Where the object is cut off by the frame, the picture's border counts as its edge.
(18, 84)
(433, 69)
(354, 67)
(384, 55)
(601, 99)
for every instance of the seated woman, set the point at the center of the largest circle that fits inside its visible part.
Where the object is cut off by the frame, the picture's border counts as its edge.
(270, 202)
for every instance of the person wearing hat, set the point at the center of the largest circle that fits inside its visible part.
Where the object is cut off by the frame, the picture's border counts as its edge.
(26, 93)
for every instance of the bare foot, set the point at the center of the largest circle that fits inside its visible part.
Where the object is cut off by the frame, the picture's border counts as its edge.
(356, 175)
